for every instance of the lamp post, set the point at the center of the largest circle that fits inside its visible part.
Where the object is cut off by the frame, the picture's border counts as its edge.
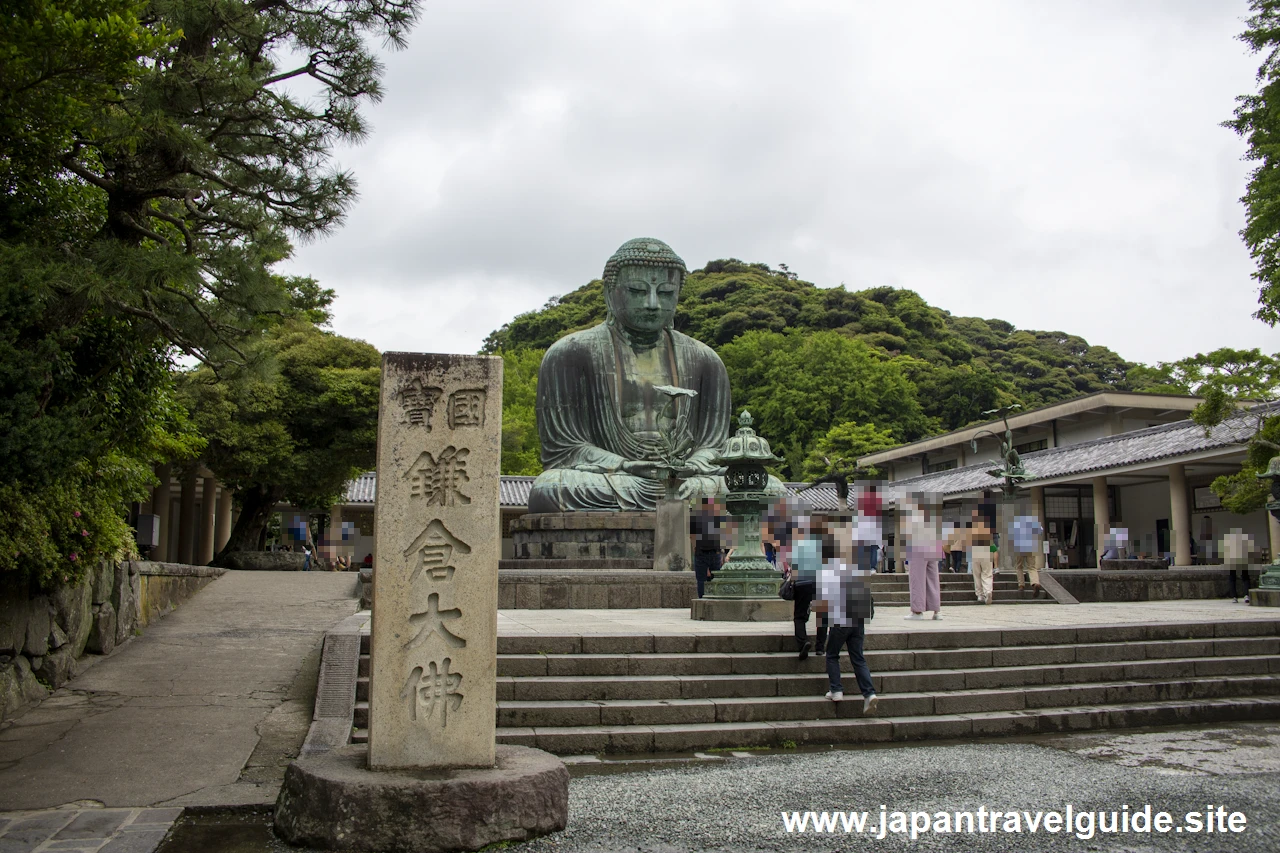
(747, 574)
(1011, 471)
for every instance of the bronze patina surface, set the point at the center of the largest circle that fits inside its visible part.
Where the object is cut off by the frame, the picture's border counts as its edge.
(631, 407)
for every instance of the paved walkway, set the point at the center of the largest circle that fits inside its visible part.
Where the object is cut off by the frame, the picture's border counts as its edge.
(520, 623)
(206, 708)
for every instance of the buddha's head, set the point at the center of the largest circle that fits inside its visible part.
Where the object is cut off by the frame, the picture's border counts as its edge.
(642, 284)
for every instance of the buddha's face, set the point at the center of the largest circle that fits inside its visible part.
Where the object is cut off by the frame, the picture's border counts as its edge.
(644, 299)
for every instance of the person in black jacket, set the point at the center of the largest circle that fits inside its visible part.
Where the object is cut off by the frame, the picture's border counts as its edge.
(706, 535)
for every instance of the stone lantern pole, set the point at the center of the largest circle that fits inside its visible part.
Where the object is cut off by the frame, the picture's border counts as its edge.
(1268, 592)
(746, 587)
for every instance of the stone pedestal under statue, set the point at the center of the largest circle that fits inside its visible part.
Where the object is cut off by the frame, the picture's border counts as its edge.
(583, 540)
(592, 560)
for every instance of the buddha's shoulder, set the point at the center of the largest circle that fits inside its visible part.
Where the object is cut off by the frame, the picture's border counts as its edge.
(692, 345)
(576, 343)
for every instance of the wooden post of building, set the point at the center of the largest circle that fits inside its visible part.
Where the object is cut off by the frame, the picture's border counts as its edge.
(186, 519)
(208, 518)
(1101, 515)
(160, 508)
(223, 523)
(1179, 515)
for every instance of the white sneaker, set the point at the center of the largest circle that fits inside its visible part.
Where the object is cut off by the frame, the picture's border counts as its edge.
(914, 616)
(869, 704)
(835, 696)
(937, 614)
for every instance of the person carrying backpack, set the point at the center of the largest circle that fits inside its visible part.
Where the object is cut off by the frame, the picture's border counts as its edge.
(845, 597)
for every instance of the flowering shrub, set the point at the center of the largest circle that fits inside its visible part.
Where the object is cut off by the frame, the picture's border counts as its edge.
(53, 536)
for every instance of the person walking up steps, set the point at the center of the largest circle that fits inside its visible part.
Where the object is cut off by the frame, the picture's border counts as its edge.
(980, 560)
(1025, 538)
(846, 598)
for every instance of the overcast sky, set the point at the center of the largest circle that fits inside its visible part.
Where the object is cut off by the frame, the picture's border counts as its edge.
(1057, 165)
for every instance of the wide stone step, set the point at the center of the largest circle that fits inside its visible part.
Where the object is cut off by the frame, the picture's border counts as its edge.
(806, 680)
(685, 737)
(516, 714)
(887, 660)
(783, 640)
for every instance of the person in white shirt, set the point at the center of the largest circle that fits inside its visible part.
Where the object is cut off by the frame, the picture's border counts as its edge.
(1237, 546)
(846, 598)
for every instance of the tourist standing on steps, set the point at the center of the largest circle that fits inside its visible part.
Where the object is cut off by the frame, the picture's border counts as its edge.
(923, 532)
(1024, 537)
(704, 531)
(958, 544)
(980, 558)
(804, 558)
(1237, 546)
(306, 557)
(845, 597)
(868, 527)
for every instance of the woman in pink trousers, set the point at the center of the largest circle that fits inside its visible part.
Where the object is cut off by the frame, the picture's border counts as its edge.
(925, 547)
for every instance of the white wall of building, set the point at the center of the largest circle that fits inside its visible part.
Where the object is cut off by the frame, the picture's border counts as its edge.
(1076, 432)
(1141, 506)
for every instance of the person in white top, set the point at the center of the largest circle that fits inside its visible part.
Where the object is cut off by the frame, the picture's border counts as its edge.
(846, 598)
(1237, 546)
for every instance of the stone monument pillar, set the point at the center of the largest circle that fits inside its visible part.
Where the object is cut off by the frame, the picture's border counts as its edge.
(435, 597)
(431, 779)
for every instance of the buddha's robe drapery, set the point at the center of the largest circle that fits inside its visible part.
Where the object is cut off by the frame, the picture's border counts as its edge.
(585, 439)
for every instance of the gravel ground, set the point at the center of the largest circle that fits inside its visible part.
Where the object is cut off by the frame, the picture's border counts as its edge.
(736, 804)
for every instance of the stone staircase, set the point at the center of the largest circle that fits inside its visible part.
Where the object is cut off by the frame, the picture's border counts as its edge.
(957, 588)
(661, 693)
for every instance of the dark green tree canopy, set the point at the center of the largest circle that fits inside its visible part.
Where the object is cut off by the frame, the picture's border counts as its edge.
(168, 155)
(1257, 120)
(299, 433)
(156, 159)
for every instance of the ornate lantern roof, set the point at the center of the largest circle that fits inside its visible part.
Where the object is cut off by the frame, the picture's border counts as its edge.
(1273, 469)
(745, 446)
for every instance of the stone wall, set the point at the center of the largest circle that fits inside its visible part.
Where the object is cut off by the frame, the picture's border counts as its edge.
(167, 585)
(1152, 585)
(44, 636)
(267, 561)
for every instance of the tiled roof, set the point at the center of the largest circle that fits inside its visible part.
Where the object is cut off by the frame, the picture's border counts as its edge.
(514, 491)
(361, 490)
(1166, 441)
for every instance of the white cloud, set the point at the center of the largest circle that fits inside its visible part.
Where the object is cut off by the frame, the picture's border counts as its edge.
(1058, 166)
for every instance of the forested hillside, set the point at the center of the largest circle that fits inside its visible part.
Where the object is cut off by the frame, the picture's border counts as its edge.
(825, 371)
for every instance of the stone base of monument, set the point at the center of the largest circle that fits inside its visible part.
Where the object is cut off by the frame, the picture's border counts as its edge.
(583, 535)
(1264, 597)
(334, 802)
(592, 589)
(741, 610)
